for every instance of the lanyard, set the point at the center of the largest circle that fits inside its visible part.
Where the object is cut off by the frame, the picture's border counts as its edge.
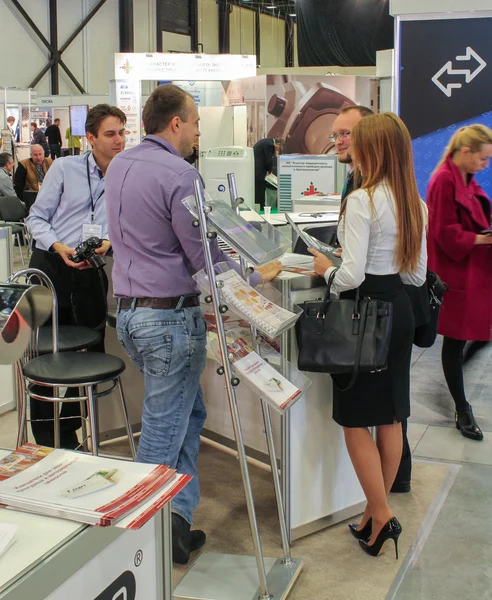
(93, 202)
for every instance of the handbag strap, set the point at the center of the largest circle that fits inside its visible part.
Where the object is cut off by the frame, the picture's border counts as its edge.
(326, 299)
(360, 339)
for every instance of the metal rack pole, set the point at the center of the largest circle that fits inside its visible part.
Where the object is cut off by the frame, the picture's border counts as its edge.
(202, 219)
(267, 421)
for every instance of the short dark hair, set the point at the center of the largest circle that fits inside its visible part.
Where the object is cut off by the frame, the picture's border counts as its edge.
(33, 124)
(363, 110)
(166, 102)
(57, 121)
(97, 115)
(5, 157)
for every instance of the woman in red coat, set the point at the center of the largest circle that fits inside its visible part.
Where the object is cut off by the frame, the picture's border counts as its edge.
(459, 211)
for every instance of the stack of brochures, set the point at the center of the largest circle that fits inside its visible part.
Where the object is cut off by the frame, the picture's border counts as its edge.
(265, 315)
(84, 488)
(258, 369)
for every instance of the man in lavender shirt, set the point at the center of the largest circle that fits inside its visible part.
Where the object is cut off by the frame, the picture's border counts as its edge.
(160, 324)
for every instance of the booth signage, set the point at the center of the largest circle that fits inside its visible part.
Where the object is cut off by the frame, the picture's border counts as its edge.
(128, 99)
(125, 570)
(304, 177)
(445, 82)
(184, 67)
(445, 72)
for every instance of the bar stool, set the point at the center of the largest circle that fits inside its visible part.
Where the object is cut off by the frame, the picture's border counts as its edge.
(68, 369)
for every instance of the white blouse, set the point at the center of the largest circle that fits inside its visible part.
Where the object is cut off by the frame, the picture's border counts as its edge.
(368, 239)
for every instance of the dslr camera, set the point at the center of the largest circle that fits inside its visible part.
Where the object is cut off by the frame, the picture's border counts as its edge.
(87, 251)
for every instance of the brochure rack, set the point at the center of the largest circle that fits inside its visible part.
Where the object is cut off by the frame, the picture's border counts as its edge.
(218, 576)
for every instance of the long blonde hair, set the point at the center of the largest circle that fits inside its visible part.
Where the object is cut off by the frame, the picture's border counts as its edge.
(471, 136)
(382, 149)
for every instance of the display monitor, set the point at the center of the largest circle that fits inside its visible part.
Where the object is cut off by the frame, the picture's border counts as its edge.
(78, 116)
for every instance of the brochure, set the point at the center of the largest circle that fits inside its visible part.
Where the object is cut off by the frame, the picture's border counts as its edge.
(312, 242)
(7, 536)
(85, 488)
(258, 310)
(267, 381)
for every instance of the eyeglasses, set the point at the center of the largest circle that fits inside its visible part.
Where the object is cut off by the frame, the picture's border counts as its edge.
(339, 136)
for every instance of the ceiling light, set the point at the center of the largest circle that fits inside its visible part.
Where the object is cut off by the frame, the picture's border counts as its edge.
(292, 14)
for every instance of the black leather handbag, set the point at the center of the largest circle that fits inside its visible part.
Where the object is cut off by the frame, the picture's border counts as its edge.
(343, 336)
(426, 333)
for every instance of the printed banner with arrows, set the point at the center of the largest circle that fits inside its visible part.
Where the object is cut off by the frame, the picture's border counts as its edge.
(445, 72)
(445, 83)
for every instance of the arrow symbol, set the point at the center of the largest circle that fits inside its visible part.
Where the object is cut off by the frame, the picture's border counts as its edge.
(469, 75)
(470, 53)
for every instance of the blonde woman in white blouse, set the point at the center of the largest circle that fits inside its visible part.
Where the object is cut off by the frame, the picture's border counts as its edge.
(382, 234)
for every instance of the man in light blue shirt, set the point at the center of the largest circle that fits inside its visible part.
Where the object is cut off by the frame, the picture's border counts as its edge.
(69, 208)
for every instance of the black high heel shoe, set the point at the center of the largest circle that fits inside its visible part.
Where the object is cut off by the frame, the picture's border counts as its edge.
(361, 534)
(391, 530)
(467, 426)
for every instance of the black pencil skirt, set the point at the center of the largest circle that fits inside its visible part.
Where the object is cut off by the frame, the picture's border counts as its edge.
(383, 397)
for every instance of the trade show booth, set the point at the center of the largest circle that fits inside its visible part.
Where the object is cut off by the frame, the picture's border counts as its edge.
(16, 103)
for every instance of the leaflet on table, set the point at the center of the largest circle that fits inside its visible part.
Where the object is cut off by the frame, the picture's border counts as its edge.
(258, 242)
(7, 536)
(255, 369)
(76, 486)
(312, 242)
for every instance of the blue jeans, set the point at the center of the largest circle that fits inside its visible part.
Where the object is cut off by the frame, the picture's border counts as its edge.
(168, 347)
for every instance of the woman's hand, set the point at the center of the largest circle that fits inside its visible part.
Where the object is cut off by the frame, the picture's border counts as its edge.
(482, 239)
(270, 271)
(321, 262)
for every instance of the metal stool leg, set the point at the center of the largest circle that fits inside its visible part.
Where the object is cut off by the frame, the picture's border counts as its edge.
(83, 414)
(128, 426)
(56, 419)
(22, 409)
(17, 235)
(93, 424)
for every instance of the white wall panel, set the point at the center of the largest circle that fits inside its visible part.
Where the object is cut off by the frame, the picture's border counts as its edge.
(102, 35)
(272, 41)
(175, 42)
(90, 56)
(242, 31)
(70, 14)
(25, 55)
(144, 25)
(208, 26)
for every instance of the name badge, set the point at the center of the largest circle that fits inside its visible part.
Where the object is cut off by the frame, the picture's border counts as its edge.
(91, 230)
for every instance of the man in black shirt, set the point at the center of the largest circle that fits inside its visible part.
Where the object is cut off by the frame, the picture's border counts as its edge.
(266, 152)
(54, 139)
(38, 137)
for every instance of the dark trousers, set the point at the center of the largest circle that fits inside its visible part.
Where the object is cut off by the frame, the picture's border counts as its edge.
(55, 151)
(74, 151)
(81, 302)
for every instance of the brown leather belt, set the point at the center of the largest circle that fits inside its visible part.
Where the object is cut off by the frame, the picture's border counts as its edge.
(166, 303)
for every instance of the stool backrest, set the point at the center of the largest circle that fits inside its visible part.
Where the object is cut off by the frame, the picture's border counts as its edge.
(33, 276)
(11, 209)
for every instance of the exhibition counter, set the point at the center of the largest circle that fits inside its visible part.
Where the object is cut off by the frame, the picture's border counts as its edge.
(319, 485)
(54, 559)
